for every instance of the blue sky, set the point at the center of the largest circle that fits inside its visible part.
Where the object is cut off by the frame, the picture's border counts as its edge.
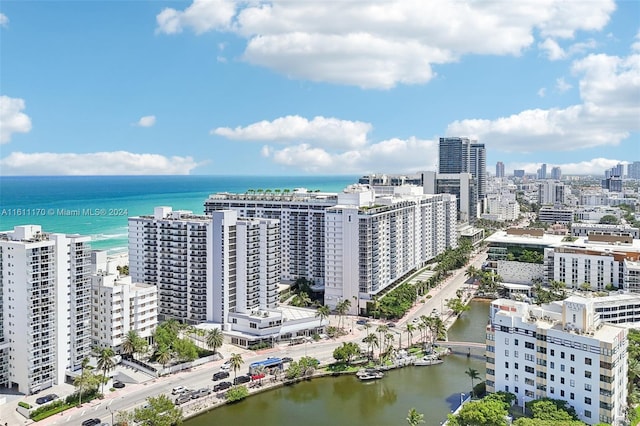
(315, 87)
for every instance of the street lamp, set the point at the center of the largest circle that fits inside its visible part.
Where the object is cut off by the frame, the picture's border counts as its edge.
(109, 410)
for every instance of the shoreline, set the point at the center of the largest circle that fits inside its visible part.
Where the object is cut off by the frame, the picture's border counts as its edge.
(448, 323)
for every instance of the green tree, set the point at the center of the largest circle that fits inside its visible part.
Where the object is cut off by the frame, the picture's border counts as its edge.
(159, 411)
(86, 381)
(609, 219)
(346, 352)
(236, 362)
(308, 365)
(409, 328)
(551, 409)
(237, 393)
(382, 330)
(128, 346)
(323, 313)
(293, 371)
(163, 356)
(372, 342)
(215, 338)
(414, 418)
(185, 349)
(457, 306)
(485, 412)
(105, 362)
(473, 375)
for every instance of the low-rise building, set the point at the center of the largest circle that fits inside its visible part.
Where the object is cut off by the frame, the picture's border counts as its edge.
(563, 350)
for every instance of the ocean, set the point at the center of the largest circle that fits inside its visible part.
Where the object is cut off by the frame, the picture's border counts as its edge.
(99, 206)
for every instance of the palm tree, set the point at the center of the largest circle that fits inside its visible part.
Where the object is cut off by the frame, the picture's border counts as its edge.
(163, 355)
(414, 418)
(341, 309)
(323, 312)
(236, 362)
(422, 328)
(376, 305)
(85, 381)
(372, 341)
(304, 299)
(473, 375)
(129, 344)
(409, 328)
(388, 340)
(105, 361)
(214, 339)
(382, 329)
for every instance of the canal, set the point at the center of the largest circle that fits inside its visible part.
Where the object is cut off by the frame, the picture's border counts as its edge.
(434, 391)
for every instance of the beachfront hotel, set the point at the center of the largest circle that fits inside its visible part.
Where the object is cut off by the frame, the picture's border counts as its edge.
(217, 269)
(563, 350)
(355, 243)
(45, 322)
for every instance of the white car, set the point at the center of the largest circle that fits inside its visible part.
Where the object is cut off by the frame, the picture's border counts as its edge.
(226, 366)
(179, 389)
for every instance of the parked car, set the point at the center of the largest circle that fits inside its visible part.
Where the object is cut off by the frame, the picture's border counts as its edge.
(226, 366)
(241, 379)
(362, 322)
(179, 389)
(91, 422)
(118, 384)
(221, 375)
(222, 386)
(391, 324)
(46, 398)
(287, 359)
(183, 398)
(200, 392)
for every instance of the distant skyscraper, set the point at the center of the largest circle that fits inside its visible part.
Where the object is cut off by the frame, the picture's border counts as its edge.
(556, 173)
(542, 171)
(618, 170)
(500, 169)
(454, 155)
(519, 173)
(633, 170)
(479, 168)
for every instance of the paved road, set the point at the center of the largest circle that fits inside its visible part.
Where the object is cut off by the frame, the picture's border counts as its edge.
(135, 395)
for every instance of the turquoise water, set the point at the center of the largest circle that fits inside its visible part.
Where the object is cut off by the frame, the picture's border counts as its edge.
(100, 205)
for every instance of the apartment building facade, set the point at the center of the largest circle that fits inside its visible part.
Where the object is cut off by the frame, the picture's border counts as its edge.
(356, 242)
(561, 351)
(118, 306)
(46, 308)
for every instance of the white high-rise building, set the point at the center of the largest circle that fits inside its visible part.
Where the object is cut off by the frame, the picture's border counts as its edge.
(357, 242)
(561, 351)
(169, 249)
(119, 306)
(46, 322)
(206, 266)
(551, 192)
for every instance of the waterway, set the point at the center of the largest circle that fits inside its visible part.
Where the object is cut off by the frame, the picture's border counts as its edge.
(433, 390)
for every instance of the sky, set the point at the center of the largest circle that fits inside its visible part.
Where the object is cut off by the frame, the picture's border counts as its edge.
(295, 87)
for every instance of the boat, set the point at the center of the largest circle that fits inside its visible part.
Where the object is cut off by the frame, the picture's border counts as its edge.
(369, 374)
(430, 359)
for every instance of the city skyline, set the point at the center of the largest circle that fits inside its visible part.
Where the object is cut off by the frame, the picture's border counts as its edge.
(285, 88)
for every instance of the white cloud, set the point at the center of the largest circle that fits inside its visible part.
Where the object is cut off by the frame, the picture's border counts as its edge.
(562, 85)
(97, 163)
(12, 119)
(379, 44)
(201, 16)
(293, 128)
(595, 166)
(552, 49)
(542, 92)
(401, 155)
(4, 20)
(636, 44)
(146, 121)
(609, 90)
